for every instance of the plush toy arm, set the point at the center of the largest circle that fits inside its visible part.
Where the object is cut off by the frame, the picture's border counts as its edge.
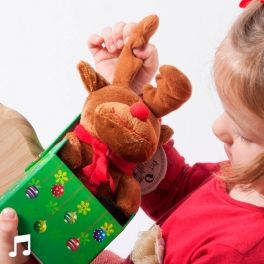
(71, 153)
(165, 134)
(173, 89)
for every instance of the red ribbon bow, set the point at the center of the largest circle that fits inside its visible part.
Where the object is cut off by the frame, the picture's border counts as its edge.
(97, 172)
(244, 3)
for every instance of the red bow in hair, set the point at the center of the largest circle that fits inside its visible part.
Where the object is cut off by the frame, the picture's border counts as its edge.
(244, 3)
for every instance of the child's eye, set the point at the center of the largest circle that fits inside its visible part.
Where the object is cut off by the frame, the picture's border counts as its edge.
(242, 138)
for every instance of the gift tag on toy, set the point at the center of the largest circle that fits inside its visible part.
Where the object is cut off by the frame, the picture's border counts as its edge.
(152, 172)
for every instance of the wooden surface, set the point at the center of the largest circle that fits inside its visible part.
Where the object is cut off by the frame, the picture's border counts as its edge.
(19, 146)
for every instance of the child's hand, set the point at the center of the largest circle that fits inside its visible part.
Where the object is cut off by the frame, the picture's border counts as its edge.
(106, 49)
(8, 229)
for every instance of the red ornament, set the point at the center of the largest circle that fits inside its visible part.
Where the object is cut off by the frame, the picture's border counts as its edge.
(244, 3)
(140, 111)
(73, 244)
(57, 190)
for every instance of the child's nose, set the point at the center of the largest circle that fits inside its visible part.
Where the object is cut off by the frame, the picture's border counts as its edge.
(221, 129)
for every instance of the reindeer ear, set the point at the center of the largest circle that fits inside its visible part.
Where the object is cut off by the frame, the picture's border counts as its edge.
(92, 80)
(173, 89)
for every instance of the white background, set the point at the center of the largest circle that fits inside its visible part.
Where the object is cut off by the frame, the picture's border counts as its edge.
(42, 41)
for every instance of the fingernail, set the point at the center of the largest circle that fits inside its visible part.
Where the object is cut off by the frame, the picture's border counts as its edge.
(126, 40)
(120, 44)
(111, 47)
(8, 214)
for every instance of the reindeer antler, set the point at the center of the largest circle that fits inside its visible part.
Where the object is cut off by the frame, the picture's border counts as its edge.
(173, 89)
(128, 65)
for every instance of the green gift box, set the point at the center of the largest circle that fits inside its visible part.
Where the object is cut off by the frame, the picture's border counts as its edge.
(66, 222)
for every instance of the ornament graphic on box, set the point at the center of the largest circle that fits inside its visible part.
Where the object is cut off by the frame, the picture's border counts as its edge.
(32, 192)
(59, 212)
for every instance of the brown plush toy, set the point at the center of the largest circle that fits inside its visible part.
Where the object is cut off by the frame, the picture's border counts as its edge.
(119, 128)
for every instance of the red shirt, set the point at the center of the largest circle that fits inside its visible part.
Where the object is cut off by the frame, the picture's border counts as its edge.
(200, 222)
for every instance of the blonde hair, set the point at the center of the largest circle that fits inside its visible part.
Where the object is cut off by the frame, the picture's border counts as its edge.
(239, 71)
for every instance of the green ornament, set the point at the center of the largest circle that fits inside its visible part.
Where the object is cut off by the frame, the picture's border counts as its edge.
(40, 226)
(70, 217)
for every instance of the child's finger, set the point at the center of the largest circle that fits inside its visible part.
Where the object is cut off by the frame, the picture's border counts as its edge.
(97, 50)
(95, 43)
(149, 55)
(108, 39)
(127, 30)
(117, 31)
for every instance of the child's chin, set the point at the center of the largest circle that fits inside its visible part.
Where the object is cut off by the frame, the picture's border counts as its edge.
(231, 161)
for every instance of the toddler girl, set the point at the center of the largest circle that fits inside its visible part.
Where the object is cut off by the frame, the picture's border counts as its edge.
(209, 213)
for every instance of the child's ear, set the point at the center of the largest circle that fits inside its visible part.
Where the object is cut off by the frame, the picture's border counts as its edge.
(91, 79)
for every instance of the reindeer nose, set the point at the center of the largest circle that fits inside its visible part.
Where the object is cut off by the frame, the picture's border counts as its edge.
(140, 111)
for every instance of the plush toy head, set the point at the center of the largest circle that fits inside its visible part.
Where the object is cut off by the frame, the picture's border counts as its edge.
(127, 123)
(122, 123)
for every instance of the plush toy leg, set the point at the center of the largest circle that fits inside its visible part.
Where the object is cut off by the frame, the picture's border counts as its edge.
(114, 210)
(128, 195)
(19, 146)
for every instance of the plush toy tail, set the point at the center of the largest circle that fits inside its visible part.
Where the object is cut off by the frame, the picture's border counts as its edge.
(128, 65)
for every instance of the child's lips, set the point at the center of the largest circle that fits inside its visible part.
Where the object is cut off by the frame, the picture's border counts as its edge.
(228, 152)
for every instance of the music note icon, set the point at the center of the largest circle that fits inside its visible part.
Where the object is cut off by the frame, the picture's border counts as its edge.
(20, 239)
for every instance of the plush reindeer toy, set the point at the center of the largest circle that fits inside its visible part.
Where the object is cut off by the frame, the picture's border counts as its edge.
(119, 128)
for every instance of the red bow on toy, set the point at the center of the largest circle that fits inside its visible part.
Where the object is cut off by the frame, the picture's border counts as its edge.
(97, 172)
(244, 3)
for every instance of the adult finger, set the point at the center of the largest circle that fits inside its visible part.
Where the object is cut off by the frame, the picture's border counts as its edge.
(8, 229)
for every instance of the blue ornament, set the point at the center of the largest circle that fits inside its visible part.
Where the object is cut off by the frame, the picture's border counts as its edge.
(99, 234)
(32, 192)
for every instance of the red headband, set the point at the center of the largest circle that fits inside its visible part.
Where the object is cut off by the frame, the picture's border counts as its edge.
(244, 3)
